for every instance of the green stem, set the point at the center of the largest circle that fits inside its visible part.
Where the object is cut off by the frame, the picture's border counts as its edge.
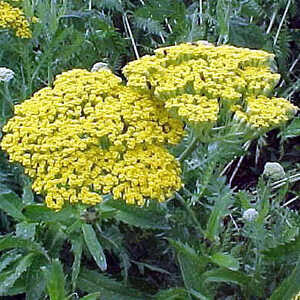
(189, 149)
(190, 211)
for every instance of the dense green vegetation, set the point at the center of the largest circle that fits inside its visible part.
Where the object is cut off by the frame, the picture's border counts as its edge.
(203, 243)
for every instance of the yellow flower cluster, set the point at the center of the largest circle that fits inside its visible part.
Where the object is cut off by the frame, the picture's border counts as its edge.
(90, 135)
(264, 112)
(13, 18)
(196, 80)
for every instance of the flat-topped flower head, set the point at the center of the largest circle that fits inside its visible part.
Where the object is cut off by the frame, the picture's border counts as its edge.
(72, 139)
(198, 80)
(14, 18)
(265, 113)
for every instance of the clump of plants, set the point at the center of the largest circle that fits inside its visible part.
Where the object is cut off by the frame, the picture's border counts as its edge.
(91, 135)
(176, 179)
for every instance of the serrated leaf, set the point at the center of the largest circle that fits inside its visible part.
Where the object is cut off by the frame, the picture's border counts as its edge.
(289, 287)
(12, 205)
(25, 230)
(142, 217)
(226, 261)
(93, 296)
(94, 246)
(11, 276)
(9, 241)
(192, 266)
(111, 4)
(244, 34)
(92, 282)
(55, 280)
(149, 25)
(250, 8)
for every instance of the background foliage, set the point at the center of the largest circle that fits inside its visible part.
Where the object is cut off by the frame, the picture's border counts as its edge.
(197, 245)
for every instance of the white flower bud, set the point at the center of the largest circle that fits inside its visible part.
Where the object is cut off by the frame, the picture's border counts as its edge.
(99, 66)
(6, 74)
(250, 214)
(274, 171)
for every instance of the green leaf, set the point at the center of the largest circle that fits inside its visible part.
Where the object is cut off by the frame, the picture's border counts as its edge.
(77, 252)
(293, 130)
(8, 279)
(223, 15)
(55, 280)
(251, 8)
(111, 5)
(198, 295)
(94, 246)
(290, 287)
(18, 287)
(41, 213)
(92, 282)
(8, 258)
(224, 275)
(172, 294)
(192, 266)
(12, 205)
(247, 35)
(222, 198)
(27, 196)
(149, 25)
(142, 266)
(226, 261)
(147, 218)
(283, 252)
(8, 242)
(93, 296)
(35, 282)
(25, 230)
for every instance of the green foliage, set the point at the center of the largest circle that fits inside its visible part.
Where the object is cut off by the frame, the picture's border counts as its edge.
(152, 217)
(192, 266)
(94, 246)
(196, 245)
(92, 282)
(55, 280)
(291, 131)
(221, 198)
(289, 287)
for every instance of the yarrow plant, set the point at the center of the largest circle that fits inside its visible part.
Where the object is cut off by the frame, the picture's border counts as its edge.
(14, 18)
(90, 134)
(156, 173)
